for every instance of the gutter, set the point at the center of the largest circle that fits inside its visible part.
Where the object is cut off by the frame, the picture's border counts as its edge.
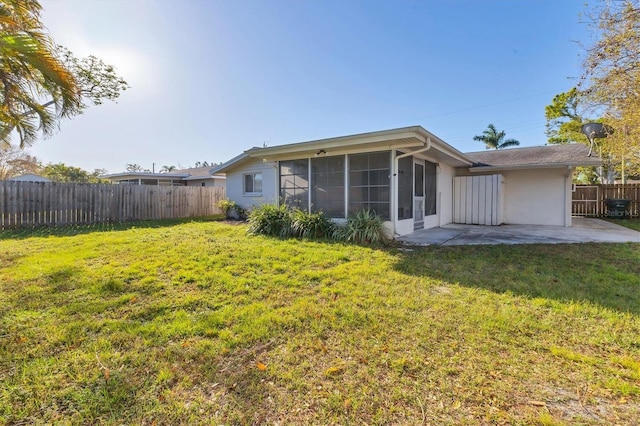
(480, 169)
(395, 180)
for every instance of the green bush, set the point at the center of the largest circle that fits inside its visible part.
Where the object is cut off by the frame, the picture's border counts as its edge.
(280, 221)
(363, 227)
(311, 225)
(240, 213)
(231, 210)
(269, 219)
(227, 206)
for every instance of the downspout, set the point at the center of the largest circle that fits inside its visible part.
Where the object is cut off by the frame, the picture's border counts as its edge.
(568, 197)
(395, 183)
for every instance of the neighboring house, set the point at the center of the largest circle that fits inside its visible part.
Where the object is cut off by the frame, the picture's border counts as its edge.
(30, 177)
(198, 176)
(411, 178)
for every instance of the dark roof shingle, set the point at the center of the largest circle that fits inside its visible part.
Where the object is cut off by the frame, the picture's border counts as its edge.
(549, 155)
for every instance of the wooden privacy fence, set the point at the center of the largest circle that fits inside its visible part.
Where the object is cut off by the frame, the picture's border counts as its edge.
(589, 200)
(58, 204)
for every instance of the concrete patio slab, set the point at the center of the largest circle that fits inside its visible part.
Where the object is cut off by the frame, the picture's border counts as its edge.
(583, 230)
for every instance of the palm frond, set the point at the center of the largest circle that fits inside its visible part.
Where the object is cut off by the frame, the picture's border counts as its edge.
(509, 143)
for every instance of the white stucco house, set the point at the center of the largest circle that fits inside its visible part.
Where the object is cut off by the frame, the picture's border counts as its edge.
(196, 176)
(411, 178)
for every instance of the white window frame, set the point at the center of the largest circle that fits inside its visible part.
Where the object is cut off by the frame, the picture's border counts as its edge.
(253, 178)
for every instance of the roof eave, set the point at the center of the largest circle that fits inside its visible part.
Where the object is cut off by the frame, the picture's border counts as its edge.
(203, 177)
(446, 148)
(230, 164)
(407, 137)
(478, 169)
(398, 138)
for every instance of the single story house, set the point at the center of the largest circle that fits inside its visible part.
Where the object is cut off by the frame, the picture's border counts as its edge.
(411, 178)
(197, 176)
(29, 177)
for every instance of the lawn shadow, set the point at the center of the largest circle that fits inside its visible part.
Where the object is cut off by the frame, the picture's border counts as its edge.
(71, 230)
(606, 275)
(245, 382)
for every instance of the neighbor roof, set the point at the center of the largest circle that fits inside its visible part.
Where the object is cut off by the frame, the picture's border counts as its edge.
(29, 177)
(548, 156)
(194, 173)
(143, 175)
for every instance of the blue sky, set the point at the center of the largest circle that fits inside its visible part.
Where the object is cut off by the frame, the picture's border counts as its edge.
(210, 79)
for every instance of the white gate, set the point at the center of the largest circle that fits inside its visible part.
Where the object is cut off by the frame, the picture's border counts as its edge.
(478, 200)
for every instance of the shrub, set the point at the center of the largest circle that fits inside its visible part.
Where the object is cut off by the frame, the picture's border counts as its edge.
(240, 213)
(231, 210)
(227, 206)
(311, 225)
(269, 219)
(363, 227)
(280, 221)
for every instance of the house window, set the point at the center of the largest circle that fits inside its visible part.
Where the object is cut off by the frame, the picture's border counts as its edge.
(405, 193)
(252, 183)
(327, 179)
(430, 182)
(294, 183)
(369, 183)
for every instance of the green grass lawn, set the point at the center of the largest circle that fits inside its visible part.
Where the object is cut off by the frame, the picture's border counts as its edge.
(629, 223)
(194, 322)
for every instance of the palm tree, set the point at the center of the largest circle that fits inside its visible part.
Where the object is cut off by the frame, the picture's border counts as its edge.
(494, 139)
(167, 169)
(35, 87)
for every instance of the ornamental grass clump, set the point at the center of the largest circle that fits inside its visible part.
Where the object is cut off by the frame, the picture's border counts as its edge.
(363, 227)
(312, 225)
(272, 220)
(280, 221)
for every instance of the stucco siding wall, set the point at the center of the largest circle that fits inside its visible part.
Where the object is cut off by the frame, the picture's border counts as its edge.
(536, 197)
(234, 184)
(445, 194)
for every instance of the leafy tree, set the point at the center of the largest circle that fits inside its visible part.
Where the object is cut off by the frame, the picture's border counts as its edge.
(96, 80)
(494, 139)
(15, 162)
(564, 119)
(62, 173)
(564, 125)
(41, 83)
(611, 77)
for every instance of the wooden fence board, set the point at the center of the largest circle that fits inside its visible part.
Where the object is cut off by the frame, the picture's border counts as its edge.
(27, 204)
(590, 200)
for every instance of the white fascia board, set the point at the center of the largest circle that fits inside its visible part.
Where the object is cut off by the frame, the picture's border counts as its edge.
(532, 166)
(235, 161)
(388, 138)
(204, 177)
